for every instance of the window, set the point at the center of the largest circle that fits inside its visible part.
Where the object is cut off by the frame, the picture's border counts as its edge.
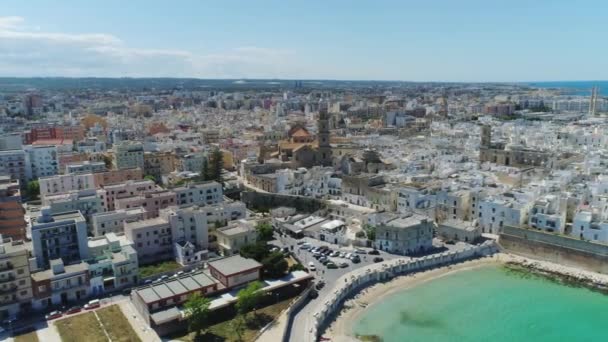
(20, 271)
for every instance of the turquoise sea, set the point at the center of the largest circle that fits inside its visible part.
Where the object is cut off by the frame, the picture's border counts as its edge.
(488, 304)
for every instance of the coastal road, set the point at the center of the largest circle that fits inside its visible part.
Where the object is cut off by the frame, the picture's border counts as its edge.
(302, 324)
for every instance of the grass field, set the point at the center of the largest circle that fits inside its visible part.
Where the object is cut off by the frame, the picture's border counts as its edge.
(224, 331)
(29, 337)
(83, 327)
(117, 325)
(86, 327)
(165, 266)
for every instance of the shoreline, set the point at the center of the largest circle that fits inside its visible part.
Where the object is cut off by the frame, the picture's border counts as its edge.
(341, 327)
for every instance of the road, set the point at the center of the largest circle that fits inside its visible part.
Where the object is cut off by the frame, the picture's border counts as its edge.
(302, 324)
(330, 276)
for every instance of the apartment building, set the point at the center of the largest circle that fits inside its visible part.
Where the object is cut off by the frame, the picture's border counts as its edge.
(12, 222)
(85, 167)
(111, 193)
(151, 201)
(41, 161)
(60, 284)
(117, 176)
(113, 263)
(152, 239)
(405, 235)
(200, 194)
(232, 238)
(128, 155)
(13, 163)
(85, 201)
(188, 224)
(65, 183)
(157, 164)
(59, 236)
(15, 281)
(114, 221)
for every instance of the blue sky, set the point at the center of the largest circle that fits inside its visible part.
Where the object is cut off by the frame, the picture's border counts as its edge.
(423, 40)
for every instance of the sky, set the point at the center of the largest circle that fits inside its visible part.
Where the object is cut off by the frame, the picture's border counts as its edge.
(408, 40)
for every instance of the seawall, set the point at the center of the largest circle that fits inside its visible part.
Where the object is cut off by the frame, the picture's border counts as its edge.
(554, 248)
(353, 282)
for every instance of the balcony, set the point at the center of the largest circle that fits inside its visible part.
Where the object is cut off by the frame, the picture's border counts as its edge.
(8, 289)
(6, 267)
(6, 278)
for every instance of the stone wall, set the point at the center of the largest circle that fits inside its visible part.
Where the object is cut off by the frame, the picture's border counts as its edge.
(351, 283)
(555, 248)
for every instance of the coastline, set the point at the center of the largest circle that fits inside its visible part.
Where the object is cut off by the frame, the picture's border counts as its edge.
(342, 326)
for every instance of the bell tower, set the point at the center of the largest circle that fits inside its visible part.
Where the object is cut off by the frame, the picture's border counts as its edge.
(324, 150)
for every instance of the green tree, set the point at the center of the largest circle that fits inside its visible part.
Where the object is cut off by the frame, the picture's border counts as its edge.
(257, 251)
(108, 161)
(150, 177)
(33, 189)
(197, 310)
(265, 231)
(238, 325)
(275, 265)
(297, 267)
(205, 170)
(248, 298)
(216, 165)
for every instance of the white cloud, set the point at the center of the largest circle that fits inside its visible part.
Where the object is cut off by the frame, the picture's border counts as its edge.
(26, 51)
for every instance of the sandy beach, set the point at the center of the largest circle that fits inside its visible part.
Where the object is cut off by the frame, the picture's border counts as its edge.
(341, 328)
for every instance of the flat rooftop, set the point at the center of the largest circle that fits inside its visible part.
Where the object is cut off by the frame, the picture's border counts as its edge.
(157, 221)
(174, 287)
(234, 264)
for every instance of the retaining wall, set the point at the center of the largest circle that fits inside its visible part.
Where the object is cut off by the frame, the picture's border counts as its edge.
(554, 248)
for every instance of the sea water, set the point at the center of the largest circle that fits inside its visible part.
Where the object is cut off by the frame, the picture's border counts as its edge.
(491, 303)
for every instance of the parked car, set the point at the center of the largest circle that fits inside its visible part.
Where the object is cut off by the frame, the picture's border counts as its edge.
(320, 284)
(348, 255)
(301, 242)
(274, 249)
(378, 259)
(359, 251)
(305, 247)
(313, 294)
(331, 265)
(53, 315)
(335, 254)
(343, 265)
(342, 255)
(317, 255)
(73, 310)
(311, 266)
(374, 252)
(323, 259)
(355, 259)
(95, 303)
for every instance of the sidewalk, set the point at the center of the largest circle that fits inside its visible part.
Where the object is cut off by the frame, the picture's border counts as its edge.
(275, 332)
(142, 330)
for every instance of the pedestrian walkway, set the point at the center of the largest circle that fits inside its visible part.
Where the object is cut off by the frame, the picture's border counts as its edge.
(275, 332)
(140, 327)
(48, 333)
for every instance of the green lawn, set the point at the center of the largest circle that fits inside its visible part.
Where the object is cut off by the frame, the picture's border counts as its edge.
(83, 327)
(165, 266)
(117, 325)
(29, 337)
(224, 331)
(86, 327)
